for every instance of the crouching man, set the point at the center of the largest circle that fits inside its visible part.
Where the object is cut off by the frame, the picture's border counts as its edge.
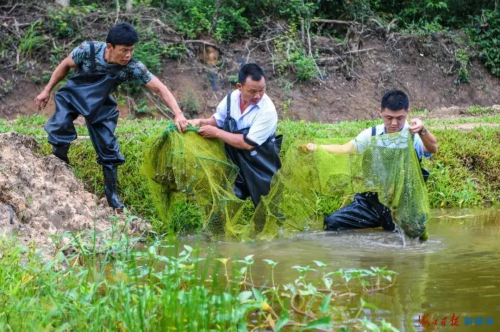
(366, 211)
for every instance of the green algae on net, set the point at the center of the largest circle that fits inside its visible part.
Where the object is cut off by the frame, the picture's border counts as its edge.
(189, 169)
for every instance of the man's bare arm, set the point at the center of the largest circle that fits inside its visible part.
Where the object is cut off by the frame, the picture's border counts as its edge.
(428, 139)
(334, 148)
(235, 140)
(57, 76)
(202, 122)
(430, 142)
(158, 87)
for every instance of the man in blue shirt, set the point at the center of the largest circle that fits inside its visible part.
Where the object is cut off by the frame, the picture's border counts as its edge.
(100, 68)
(366, 211)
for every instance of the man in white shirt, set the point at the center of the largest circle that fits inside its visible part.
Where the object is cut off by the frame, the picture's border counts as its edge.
(366, 211)
(246, 121)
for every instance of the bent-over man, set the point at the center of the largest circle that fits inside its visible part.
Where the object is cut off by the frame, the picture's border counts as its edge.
(100, 68)
(246, 121)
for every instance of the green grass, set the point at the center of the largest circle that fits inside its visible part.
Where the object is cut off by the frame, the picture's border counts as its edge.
(105, 284)
(479, 110)
(419, 112)
(109, 285)
(464, 173)
(475, 119)
(31, 41)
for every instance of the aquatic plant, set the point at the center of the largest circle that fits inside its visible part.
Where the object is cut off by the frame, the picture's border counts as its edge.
(113, 282)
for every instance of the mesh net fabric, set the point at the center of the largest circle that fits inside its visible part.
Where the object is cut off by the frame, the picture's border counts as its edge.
(189, 168)
(186, 168)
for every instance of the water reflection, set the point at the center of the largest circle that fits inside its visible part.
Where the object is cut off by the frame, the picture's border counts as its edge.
(455, 274)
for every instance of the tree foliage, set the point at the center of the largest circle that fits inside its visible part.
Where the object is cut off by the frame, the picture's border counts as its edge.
(487, 35)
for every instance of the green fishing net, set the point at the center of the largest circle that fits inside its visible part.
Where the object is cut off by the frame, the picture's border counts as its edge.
(186, 169)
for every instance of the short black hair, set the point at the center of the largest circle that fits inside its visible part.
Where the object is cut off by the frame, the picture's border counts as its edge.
(395, 100)
(253, 70)
(122, 34)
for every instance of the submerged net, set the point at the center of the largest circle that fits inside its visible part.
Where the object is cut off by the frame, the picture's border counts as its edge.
(188, 170)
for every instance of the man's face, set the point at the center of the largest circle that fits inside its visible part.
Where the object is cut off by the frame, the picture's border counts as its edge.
(252, 91)
(394, 121)
(121, 54)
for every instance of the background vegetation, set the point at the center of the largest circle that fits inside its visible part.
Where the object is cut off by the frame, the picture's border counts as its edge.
(172, 29)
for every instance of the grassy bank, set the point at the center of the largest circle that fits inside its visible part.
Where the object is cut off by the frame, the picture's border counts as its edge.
(114, 287)
(464, 173)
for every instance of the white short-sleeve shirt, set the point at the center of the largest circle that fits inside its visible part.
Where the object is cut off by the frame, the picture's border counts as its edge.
(261, 118)
(364, 138)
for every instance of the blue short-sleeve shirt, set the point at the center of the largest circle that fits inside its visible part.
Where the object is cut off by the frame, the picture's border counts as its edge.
(364, 138)
(261, 118)
(133, 70)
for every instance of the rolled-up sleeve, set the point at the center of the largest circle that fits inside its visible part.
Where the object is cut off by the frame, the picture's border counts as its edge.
(418, 145)
(221, 113)
(362, 141)
(263, 127)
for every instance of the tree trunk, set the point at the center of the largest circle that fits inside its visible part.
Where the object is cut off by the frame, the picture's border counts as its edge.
(214, 20)
(63, 3)
(128, 5)
(117, 11)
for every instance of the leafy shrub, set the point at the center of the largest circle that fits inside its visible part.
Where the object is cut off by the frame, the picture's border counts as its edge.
(176, 51)
(305, 67)
(6, 87)
(142, 107)
(462, 60)
(149, 50)
(290, 54)
(224, 20)
(67, 21)
(487, 37)
(190, 103)
(31, 41)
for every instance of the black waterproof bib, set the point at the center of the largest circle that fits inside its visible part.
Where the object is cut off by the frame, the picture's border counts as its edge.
(89, 95)
(257, 166)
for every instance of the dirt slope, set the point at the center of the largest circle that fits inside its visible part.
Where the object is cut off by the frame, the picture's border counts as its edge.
(40, 196)
(351, 88)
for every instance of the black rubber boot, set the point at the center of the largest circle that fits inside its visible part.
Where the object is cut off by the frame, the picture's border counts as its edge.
(61, 152)
(111, 187)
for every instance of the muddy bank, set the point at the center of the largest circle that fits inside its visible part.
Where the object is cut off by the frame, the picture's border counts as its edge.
(41, 197)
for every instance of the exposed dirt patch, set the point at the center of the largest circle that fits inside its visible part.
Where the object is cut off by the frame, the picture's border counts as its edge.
(351, 90)
(352, 85)
(21, 100)
(40, 196)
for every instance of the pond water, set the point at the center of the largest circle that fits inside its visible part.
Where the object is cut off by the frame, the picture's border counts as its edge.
(454, 278)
